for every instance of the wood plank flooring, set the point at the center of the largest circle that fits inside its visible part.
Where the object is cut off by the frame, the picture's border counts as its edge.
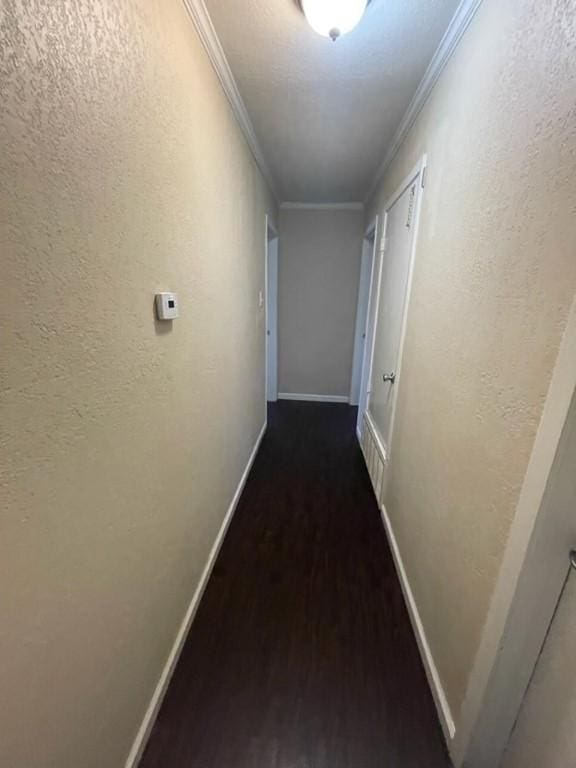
(301, 654)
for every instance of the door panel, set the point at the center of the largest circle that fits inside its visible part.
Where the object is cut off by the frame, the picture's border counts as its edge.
(272, 321)
(361, 319)
(545, 732)
(396, 262)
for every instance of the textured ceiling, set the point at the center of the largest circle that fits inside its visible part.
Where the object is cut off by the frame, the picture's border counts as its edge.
(324, 113)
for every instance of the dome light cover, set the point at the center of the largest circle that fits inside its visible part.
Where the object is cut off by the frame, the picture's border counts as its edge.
(333, 18)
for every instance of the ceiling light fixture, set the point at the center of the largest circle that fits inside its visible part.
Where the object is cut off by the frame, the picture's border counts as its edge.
(333, 18)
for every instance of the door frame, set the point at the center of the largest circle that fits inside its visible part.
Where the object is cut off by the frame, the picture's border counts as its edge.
(418, 172)
(531, 578)
(373, 301)
(367, 263)
(271, 233)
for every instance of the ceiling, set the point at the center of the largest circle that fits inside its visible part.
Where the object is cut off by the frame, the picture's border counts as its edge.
(324, 113)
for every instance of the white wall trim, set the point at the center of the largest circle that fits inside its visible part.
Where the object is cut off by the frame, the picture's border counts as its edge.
(201, 19)
(409, 179)
(361, 320)
(371, 233)
(160, 691)
(313, 398)
(458, 25)
(371, 327)
(372, 229)
(287, 206)
(438, 693)
(444, 713)
(271, 313)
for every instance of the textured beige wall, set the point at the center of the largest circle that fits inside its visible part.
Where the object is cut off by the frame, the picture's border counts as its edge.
(544, 736)
(318, 274)
(122, 172)
(495, 274)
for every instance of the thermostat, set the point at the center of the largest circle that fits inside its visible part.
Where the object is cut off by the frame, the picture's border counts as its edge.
(166, 306)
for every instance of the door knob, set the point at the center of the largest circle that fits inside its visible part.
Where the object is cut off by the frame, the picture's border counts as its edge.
(391, 377)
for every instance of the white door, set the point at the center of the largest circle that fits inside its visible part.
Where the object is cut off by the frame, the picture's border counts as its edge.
(272, 317)
(361, 328)
(525, 670)
(396, 267)
(545, 733)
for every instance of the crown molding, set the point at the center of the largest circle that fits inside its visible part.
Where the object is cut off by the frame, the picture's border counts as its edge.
(458, 25)
(322, 206)
(200, 17)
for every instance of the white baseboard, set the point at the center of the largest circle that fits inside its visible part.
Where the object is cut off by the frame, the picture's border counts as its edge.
(444, 713)
(313, 398)
(156, 701)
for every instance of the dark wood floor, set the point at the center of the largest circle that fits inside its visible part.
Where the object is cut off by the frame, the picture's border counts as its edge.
(301, 654)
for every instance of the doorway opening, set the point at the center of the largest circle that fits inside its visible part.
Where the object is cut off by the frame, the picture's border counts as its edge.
(520, 665)
(271, 312)
(362, 331)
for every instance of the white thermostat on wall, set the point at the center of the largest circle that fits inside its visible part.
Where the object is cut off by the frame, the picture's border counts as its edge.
(166, 306)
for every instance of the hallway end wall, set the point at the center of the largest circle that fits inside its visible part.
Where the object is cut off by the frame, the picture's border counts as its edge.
(494, 279)
(122, 173)
(318, 274)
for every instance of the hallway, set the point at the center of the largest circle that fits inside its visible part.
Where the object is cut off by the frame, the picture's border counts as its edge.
(288, 384)
(301, 654)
